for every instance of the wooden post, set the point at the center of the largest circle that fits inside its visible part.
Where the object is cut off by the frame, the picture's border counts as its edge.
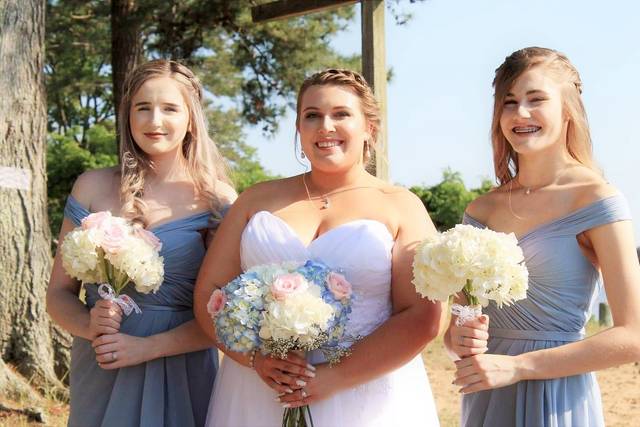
(374, 69)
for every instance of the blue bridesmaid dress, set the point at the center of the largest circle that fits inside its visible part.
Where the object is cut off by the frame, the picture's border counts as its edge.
(169, 391)
(561, 287)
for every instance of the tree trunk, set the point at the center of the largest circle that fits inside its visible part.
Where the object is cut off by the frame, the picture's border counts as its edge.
(28, 341)
(126, 47)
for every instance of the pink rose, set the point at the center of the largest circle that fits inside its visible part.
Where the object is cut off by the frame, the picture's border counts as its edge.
(150, 238)
(287, 284)
(339, 285)
(96, 220)
(113, 236)
(216, 302)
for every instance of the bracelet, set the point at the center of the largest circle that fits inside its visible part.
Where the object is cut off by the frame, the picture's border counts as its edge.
(252, 359)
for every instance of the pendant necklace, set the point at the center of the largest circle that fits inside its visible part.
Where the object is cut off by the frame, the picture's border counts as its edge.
(324, 197)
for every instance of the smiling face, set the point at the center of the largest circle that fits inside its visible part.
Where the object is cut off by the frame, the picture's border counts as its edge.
(159, 116)
(332, 127)
(532, 118)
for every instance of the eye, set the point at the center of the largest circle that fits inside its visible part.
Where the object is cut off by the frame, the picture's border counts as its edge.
(538, 99)
(171, 109)
(311, 115)
(343, 114)
(143, 108)
(510, 102)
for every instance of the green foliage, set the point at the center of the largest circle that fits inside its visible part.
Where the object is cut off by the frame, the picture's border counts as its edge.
(66, 160)
(447, 200)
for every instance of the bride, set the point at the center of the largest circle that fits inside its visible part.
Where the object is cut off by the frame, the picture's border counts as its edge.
(338, 214)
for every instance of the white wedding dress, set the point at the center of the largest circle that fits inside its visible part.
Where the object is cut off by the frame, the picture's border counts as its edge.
(362, 249)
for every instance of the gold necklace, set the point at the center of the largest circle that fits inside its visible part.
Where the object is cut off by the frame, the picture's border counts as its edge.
(324, 197)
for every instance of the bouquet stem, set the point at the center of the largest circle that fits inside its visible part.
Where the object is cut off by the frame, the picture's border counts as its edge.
(297, 417)
(467, 312)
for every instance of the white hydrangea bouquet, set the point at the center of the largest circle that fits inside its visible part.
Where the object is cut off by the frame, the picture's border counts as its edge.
(278, 308)
(112, 252)
(483, 264)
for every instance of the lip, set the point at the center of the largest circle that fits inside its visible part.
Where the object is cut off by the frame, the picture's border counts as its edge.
(328, 143)
(154, 135)
(526, 129)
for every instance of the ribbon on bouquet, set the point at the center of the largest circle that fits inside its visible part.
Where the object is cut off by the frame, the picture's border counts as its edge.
(126, 303)
(465, 313)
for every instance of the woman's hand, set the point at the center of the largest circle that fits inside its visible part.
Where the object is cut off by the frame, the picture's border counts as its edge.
(283, 375)
(118, 350)
(104, 318)
(471, 338)
(326, 383)
(486, 371)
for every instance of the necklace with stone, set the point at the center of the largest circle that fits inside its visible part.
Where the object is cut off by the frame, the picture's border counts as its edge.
(324, 197)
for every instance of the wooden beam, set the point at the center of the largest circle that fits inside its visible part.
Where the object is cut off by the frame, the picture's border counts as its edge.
(374, 69)
(291, 8)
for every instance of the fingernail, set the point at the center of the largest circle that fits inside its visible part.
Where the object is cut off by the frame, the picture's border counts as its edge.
(301, 383)
(310, 374)
(286, 405)
(277, 399)
(310, 366)
(288, 390)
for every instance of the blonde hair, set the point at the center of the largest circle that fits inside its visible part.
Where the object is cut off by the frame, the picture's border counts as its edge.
(358, 84)
(203, 161)
(505, 159)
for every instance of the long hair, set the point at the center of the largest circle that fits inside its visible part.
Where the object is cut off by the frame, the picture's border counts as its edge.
(203, 161)
(578, 144)
(358, 84)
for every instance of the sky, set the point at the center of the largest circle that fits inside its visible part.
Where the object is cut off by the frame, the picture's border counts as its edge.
(440, 99)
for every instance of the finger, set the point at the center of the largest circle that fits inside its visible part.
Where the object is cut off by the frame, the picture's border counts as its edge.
(280, 388)
(290, 368)
(296, 396)
(110, 365)
(106, 348)
(292, 382)
(467, 380)
(300, 361)
(106, 358)
(106, 330)
(104, 339)
(472, 342)
(306, 401)
(473, 388)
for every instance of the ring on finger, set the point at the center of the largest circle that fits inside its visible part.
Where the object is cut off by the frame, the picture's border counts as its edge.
(114, 356)
(303, 393)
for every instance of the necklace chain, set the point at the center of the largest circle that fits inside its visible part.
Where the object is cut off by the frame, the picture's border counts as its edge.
(324, 197)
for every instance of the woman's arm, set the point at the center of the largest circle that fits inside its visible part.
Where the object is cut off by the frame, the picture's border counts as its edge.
(221, 265)
(413, 323)
(615, 252)
(63, 304)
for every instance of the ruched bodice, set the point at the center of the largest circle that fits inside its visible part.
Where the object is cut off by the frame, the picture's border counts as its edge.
(170, 391)
(361, 249)
(562, 282)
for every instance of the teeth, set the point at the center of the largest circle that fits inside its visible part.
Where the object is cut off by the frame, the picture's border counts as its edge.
(328, 144)
(530, 129)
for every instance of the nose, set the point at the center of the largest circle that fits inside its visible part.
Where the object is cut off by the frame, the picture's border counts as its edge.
(523, 112)
(156, 117)
(327, 124)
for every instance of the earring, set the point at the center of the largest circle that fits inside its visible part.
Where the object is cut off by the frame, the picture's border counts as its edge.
(302, 155)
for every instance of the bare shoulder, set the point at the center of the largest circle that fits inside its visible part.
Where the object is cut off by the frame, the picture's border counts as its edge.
(482, 206)
(589, 187)
(95, 183)
(263, 195)
(403, 199)
(225, 192)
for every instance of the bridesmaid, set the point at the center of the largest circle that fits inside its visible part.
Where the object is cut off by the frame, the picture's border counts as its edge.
(530, 366)
(156, 368)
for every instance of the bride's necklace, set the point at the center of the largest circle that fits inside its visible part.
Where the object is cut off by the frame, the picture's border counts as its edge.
(324, 197)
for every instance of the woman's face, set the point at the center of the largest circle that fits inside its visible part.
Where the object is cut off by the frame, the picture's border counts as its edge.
(332, 127)
(532, 119)
(159, 116)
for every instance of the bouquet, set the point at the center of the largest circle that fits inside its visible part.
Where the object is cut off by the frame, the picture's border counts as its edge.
(112, 252)
(483, 264)
(278, 308)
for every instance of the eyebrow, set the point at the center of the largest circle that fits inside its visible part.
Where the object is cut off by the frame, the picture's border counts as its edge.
(339, 107)
(530, 92)
(170, 104)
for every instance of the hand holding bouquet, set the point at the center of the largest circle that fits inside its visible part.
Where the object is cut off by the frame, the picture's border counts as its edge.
(483, 264)
(286, 307)
(112, 252)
